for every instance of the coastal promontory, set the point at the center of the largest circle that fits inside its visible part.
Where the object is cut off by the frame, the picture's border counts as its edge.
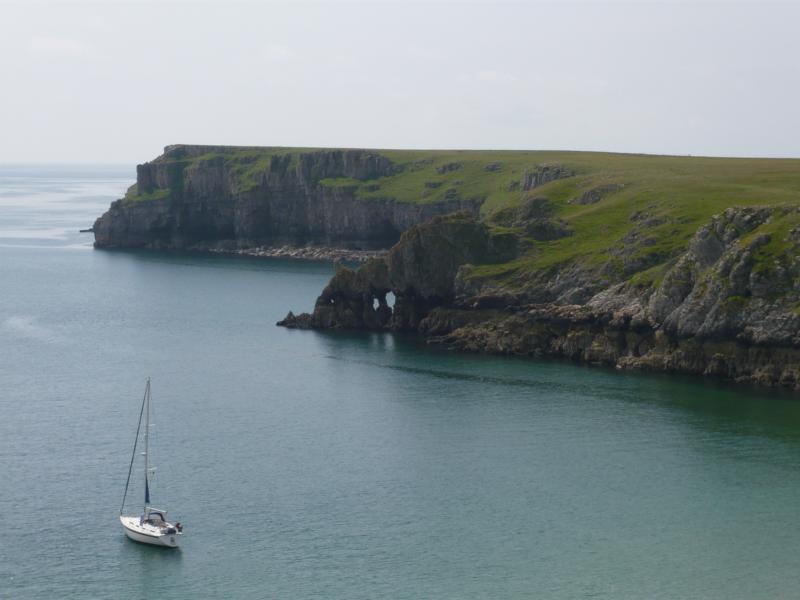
(661, 263)
(234, 197)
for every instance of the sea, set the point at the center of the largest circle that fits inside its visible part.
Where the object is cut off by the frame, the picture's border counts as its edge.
(346, 464)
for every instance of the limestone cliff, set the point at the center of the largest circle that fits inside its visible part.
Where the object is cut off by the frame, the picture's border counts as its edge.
(727, 306)
(217, 196)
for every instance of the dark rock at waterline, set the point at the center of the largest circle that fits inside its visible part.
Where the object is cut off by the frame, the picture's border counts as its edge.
(420, 270)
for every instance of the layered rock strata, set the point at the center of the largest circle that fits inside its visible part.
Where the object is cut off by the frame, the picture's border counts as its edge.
(220, 197)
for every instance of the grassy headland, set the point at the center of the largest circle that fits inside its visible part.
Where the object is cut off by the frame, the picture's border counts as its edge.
(631, 213)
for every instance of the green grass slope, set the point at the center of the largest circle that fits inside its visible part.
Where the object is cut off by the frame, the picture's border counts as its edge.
(656, 204)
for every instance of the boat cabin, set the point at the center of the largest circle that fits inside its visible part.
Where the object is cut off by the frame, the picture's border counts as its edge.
(155, 516)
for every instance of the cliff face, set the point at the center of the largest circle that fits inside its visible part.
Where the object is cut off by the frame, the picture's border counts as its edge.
(216, 196)
(727, 306)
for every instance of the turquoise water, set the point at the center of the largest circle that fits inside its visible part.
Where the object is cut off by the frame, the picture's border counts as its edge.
(348, 465)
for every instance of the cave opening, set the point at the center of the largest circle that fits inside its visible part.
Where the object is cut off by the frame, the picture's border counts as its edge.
(380, 307)
(388, 299)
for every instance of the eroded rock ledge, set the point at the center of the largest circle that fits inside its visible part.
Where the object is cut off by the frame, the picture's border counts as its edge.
(721, 308)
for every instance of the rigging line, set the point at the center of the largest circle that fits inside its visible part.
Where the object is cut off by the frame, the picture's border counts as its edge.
(133, 455)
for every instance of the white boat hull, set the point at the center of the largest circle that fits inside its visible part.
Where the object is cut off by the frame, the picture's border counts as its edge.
(147, 534)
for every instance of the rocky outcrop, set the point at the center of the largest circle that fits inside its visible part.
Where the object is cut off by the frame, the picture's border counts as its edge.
(727, 307)
(732, 284)
(595, 194)
(448, 168)
(535, 218)
(420, 270)
(544, 174)
(195, 196)
(352, 300)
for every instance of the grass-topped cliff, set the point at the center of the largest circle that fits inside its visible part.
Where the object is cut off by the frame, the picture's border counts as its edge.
(629, 214)
(663, 262)
(632, 211)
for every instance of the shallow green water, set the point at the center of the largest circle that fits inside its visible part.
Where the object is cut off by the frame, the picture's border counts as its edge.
(309, 465)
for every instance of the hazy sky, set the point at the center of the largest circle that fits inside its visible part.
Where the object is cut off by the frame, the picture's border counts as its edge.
(116, 81)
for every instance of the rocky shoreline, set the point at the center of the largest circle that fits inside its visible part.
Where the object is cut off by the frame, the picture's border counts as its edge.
(716, 311)
(321, 253)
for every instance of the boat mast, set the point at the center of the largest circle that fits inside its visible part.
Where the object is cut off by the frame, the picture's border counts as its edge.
(146, 439)
(135, 444)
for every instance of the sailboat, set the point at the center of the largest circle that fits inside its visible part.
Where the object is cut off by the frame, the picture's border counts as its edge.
(151, 527)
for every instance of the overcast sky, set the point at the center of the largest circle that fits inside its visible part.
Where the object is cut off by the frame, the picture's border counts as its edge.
(116, 81)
